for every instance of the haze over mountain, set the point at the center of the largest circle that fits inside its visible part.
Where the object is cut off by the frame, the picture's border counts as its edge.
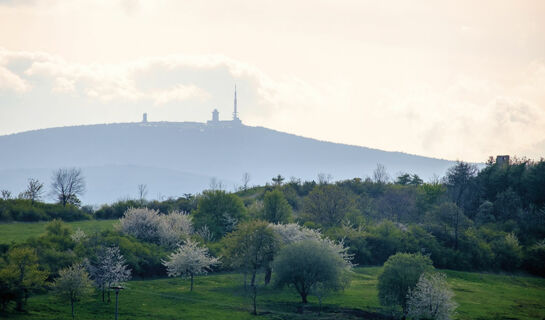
(173, 158)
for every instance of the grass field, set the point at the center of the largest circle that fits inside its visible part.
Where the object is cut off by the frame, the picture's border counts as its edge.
(220, 296)
(20, 231)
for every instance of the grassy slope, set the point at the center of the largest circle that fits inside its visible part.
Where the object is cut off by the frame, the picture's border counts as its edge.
(20, 231)
(220, 296)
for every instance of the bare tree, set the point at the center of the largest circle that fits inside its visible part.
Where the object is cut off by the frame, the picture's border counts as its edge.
(245, 180)
(380, 175)
(142, 192)
(5, 194)
(67, 184)
(34, 190)
(324, 178)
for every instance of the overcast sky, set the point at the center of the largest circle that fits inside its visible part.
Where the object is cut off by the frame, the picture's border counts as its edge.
(457, 80)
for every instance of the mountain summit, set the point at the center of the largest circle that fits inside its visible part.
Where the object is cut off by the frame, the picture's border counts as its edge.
(173, 158)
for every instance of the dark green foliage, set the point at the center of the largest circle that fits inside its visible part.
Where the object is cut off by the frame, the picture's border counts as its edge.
(276, 207)
(20, 277)
(28, 210)
(219, 211)
(328, 204)
(401, 273)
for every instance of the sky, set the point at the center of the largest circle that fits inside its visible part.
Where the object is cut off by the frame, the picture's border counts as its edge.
(459, 80)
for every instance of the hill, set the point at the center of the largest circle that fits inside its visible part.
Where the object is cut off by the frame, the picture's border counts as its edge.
(173, 158)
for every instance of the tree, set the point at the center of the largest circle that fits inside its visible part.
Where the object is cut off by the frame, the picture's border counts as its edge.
(73, 284)
(109, 269)
(431, 298)
(5, 194)
(450, 217)
(245, 180)
(220, 211)
(252, 247)
(150, 226)
(142, 192)
(276, 207)
(309, 263)
(328, 204)
(278, 180)
(34, 190)
(189, 260)
(460, 181)
(67, 185)
(400, 274)
(380, 175)
(21, 276)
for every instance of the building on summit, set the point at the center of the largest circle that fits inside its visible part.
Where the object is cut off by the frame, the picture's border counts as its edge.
(216, 116)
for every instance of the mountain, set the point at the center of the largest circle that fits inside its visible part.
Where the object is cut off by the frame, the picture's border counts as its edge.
(173, 158)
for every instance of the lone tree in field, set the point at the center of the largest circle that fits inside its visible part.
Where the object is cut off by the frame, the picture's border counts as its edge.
(34, 190)
(67, 185)
(431, 298)
(252, 247)
(400, 275)
(189, 260)
(73, 284)
(307, 264)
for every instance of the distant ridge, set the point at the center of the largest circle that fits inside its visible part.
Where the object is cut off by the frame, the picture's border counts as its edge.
(173, 158)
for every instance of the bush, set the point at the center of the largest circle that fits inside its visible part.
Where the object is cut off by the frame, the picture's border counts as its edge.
(401, 273)
(431, 298)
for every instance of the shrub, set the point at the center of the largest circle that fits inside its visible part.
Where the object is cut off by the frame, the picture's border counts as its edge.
(401, 273)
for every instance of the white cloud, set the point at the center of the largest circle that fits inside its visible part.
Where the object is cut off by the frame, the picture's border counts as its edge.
(468, 117)
(179, 93)
(11, 81)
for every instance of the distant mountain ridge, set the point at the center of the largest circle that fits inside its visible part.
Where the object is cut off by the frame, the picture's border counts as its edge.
(185, 156)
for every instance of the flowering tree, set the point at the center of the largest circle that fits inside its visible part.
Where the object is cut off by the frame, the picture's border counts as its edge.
(109, 269)
(189, 260)
(151, 226)
(431, 298)
(73, 283)
(173, 227)
(141, 223)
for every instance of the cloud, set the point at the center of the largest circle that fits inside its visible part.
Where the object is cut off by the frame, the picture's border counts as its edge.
(11, 81)
(179, 93)
(468, 117)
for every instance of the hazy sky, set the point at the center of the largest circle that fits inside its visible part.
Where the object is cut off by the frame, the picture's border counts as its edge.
(456, 80)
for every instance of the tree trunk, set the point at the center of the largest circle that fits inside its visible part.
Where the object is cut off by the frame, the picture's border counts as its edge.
(191, 288)
(252, 283)
(245, 280)
(268, 275)
(304, 298)
(254, 288)
(72, 303)
(103, 289)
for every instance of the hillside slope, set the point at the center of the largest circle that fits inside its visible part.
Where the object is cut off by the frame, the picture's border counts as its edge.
(175, 158)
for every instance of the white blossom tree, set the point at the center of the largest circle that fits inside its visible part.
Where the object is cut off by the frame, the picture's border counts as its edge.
(73, 284)
(173, 227)
(151, 226)
(189, 260)
(431, 298)
(110, 269)
(292, 233)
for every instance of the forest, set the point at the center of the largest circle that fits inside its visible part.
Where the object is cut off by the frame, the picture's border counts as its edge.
(314, 238)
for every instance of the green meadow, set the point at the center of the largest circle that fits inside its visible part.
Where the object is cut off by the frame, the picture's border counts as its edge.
(20, 231)
(221, 296)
